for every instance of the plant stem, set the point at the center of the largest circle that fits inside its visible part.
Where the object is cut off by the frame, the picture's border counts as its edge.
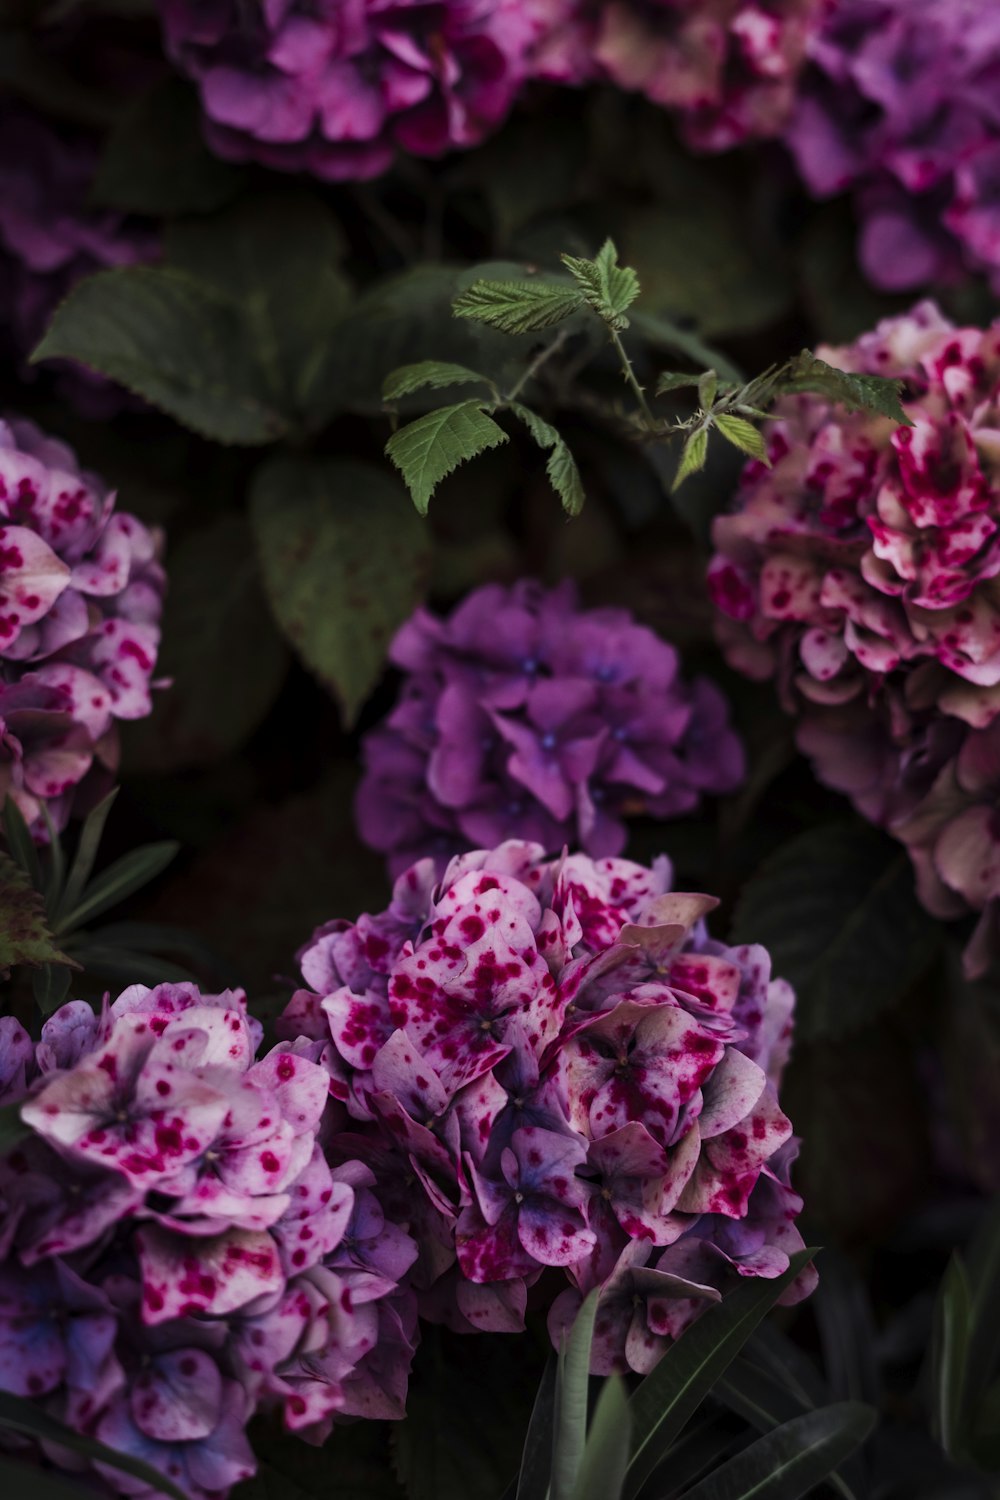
(536, 364)
(630, 376)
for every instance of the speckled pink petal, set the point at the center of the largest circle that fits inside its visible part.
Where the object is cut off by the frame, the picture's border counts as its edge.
(178, 1397)
(214, 1276)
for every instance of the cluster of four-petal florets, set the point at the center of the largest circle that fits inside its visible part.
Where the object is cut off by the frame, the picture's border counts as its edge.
(531, 1079)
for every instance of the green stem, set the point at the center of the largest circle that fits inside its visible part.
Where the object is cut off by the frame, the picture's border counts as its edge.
(536, 364)
(630, 376)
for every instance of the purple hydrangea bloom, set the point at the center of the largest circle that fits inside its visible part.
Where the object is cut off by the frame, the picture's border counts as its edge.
(898, 104)
(51, 237)
(81, 591)
(336, 88)
(176, 1252)
(552, 1068)
(522, 713)
(860, 572)
(727, 67)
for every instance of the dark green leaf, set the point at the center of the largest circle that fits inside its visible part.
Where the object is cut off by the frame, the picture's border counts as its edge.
(156, 161)
(25, 937)
(693, 456)
(790, 1462)
(50, 986)
(673, 380)
(22, 1480)
(119, 881)
(172, 340)
(86, 853)
(27, 1417)
(873, 393)
(836, 907)
(124, 966)
(20, 844)
(675, 1389)
(343, 559)
(518, 306)
(536, 1459)
(572, 1385)
(221, 650)
(561, 467)
(12, 1127)
(605, 1458)
(435, 373)
(952, 1326)
(429, 449)
(742, 435)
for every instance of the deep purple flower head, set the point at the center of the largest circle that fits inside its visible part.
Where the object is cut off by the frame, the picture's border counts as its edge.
(522, 713)
(336, 88)
(860, 572)
(728, 68)
(81, 591)
(51, 237)
(560, 1081)
(176, 1253)
(898, 104)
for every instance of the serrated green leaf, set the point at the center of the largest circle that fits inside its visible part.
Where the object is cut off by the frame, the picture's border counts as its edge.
(674, 380)
(693, 456)
(429, 449)
(561, 466)
(743, 435)
(873, 393)
(436, 373)
(572, 1385)
(605, 1457)
(708, 385)
(343, 559)
(836, 908)
(607, 287)
(120, 880)
(25, 936)
(170, 339)
(518, 306)
(789, 1462)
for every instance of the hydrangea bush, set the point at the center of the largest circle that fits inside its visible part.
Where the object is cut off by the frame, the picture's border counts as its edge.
(560, 1081)
(858, 570)
(523, 714)
(81, 591)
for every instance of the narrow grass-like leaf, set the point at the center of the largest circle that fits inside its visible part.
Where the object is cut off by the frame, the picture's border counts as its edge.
(789, 1462)
(20, 1415)
(674, 1390)
(435, 373)
(983, 1268)
(518, 306)
(536, 1457)
(605, 1457)
(20, 843)
(952, 1323)
(86, 853)
(760, 1399)
(572, 1386)
(50, 986)
(427, 450)
(119, 881)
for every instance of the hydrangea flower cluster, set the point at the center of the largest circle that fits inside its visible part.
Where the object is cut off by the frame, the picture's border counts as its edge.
(560, 1081)
(861, 572)
(729, 68)
(81, 592)
(899, 104)
(51, 237)
(524, 715)
(335, 88)
(176, 1253)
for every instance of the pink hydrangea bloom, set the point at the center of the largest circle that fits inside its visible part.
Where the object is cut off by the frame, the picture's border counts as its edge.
(81, 591)
(727, 67)
(898, 105)
(337, 88)
(173, 1204)
(51, 237)
(860, 572)
(522, 713)
(551, 1067)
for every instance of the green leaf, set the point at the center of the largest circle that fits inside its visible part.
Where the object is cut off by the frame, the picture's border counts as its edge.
(569, 1430)
(742, 435)
(952, 1326)
(663, 334)
(561, 468)
(674, 1390)
(27, 1417)
(50, 986)
(536, 1458)
(708, 385)
(693, 456)
(429, 449)
(20, 844)
(607, 287)
(343, 559)
(172, 340)
(156, 161)
(674, 380)
(25, 937)
(120, 880)
(790, 1462)
(427, 372)
(22, 1480)
(836, 908)
(221, 649)
(518, 306)
(12, 1128)
(605, 1458)
(872, 393)
(86, 853)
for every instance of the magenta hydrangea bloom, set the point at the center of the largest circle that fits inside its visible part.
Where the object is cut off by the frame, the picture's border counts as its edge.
(860, 571)
(336, 88)
(554, 1072)
(51, 237)
(173, 1205)
(898, 104)
(523, 714)
(81, 591)
(728, 68)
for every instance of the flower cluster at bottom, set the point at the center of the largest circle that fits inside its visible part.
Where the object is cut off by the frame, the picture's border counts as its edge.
(560, 1081)
(175, 1252)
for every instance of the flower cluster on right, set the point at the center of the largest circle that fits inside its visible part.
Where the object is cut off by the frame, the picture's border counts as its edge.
(862, 572)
